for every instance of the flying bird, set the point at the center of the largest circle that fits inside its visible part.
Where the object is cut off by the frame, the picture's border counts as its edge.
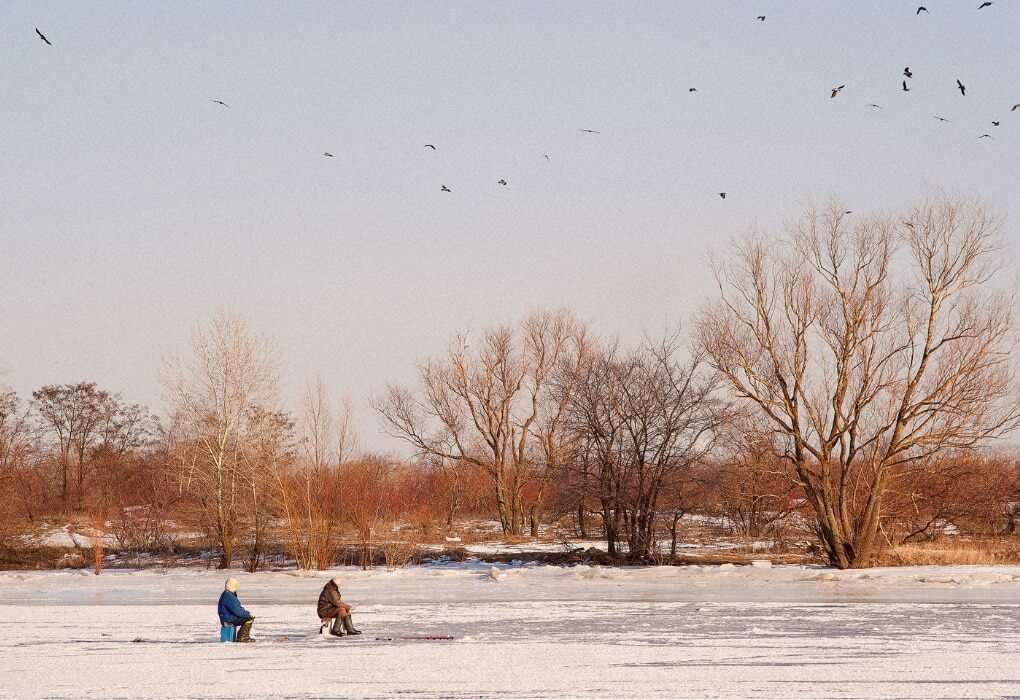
(544, 155)
(723, 195)
(921, 9)
(220, 102)
(906, 72)
(963, 88)
(984, 5)
(429, 145)
(590, 131)
(941, 119)
(328, 154)
(905, 88)
(42, 36)
(444, 188)
(986, 136)
(1015, 108)
(872, 104)
(760, 18)
(692, 89)
(502, 182)
(995, 123)
(835, 91)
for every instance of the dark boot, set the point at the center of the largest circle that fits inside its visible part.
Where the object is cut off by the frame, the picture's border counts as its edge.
(244, 633)
(349, 626)
(337, 630)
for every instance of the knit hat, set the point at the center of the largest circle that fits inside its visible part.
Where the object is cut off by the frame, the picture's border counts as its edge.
(232, 584)
(337, 581)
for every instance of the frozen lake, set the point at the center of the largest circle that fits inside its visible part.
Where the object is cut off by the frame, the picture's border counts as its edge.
(926, 632)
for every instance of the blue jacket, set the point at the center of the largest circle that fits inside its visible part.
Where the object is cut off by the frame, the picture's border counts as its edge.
(230, 610)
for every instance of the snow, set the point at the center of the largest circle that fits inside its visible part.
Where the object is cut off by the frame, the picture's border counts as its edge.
(524, 631)
(64, 537)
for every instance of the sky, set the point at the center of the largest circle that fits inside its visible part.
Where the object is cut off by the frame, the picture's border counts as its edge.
(132, 206)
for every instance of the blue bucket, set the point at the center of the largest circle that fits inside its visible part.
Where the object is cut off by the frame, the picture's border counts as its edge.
(226, 633)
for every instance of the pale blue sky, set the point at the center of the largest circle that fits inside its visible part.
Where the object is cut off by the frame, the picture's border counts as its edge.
(131, 206)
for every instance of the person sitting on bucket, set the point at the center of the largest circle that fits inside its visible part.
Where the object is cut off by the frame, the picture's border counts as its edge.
(232, 614)
(330, 606)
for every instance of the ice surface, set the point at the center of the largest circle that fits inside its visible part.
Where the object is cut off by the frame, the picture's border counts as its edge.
(722, 631)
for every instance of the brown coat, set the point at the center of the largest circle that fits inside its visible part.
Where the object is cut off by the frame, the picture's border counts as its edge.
(330, 604)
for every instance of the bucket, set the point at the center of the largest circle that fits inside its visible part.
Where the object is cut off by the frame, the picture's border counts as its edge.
(226, 633)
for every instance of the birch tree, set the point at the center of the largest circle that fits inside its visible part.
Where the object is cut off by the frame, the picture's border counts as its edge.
(231, 373)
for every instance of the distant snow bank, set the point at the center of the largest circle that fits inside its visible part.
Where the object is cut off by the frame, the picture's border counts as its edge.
(452, 581)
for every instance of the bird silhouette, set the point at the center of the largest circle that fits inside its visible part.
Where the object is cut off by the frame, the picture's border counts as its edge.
(1015, 108)
(995, 123)
(723, 195)
(327, 154)
(942, 119)
(906, 72)
(963, 88)
(429, 145)
(41, 36)
(760, 18)
(921, 9)
(544, 155)
(984, 5)
(905, 88)
(502, 182)
(590, 131)
(872, 104)
(692, 89)
(835, 91)
(220, 102)
(444, 188)
(986, 136)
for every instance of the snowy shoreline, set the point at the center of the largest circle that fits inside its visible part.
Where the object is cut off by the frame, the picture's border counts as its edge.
(473, 580)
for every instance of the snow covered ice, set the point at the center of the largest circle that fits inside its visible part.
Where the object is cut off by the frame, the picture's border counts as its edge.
(713, 631)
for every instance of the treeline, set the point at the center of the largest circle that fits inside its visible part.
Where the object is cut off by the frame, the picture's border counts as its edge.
(847, 382)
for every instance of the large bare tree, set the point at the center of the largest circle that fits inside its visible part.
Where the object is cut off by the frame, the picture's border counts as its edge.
(230, 376)
(481, 404)
(868, 344)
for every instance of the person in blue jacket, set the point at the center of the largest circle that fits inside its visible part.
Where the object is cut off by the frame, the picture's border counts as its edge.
(231, 612)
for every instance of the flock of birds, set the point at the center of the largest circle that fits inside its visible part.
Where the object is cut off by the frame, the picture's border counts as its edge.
(907, 73)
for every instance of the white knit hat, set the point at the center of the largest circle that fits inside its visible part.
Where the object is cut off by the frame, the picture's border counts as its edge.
(337, 581)
(232, 584)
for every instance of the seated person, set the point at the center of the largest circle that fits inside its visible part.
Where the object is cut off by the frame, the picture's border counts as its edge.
(231, 612)
(331, 607)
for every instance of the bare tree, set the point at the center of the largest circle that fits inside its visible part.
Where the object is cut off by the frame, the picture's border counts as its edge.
(74, 414)
(644, 419)
(751, 484)
(480, 405)
(232, 371)
(869, 345)
(316, 424)
(308, 489)
(348, 442)
(367, 484)
(266, 451)
(16, 446)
